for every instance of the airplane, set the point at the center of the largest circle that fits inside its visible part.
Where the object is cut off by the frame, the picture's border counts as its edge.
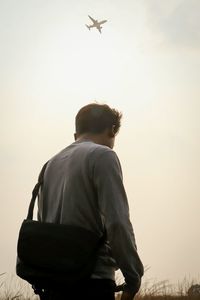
(95, 24)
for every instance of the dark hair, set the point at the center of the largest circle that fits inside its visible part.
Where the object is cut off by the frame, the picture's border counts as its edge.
(95, 118)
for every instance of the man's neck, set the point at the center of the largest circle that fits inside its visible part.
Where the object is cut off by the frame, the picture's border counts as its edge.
(96, 138)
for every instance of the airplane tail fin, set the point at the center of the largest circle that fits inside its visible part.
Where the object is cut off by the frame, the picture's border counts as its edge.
(87, 26)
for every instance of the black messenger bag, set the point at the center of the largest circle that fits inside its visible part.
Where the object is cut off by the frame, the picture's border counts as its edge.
(50, 255)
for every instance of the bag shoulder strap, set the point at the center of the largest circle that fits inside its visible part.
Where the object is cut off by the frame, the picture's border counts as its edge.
(36, 191)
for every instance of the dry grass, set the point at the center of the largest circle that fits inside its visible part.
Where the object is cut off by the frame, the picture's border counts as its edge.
(13, 288)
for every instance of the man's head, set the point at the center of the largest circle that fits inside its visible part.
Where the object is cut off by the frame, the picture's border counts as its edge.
(98, 122)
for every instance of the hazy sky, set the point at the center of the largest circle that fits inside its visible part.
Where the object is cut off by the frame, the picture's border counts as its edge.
(146, 63)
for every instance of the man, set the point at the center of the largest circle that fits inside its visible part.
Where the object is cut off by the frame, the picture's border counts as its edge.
(83, 186)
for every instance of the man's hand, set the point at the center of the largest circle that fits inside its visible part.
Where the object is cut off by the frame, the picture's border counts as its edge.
(127, 296)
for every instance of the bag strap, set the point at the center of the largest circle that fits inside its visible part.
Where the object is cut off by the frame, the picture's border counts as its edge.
(36, 191)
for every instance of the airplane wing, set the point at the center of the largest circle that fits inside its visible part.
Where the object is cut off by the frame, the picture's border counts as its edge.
(102, 22)
(93, 20)
(99, 29)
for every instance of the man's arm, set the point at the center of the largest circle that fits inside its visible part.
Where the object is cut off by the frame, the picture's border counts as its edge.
(114, 207)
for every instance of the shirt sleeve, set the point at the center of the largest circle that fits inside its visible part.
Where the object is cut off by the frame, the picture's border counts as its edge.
(113, 205)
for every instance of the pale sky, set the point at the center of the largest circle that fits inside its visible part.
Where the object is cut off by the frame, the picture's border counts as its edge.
(146, 64)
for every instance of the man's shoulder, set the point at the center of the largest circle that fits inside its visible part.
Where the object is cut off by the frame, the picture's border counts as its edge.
(103, 155)
(100, 152)
(97, 149)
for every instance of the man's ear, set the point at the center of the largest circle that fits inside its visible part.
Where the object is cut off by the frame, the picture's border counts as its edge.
(112, 131)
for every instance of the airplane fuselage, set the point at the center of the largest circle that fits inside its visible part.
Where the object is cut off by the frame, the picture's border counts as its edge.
(95, 25)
